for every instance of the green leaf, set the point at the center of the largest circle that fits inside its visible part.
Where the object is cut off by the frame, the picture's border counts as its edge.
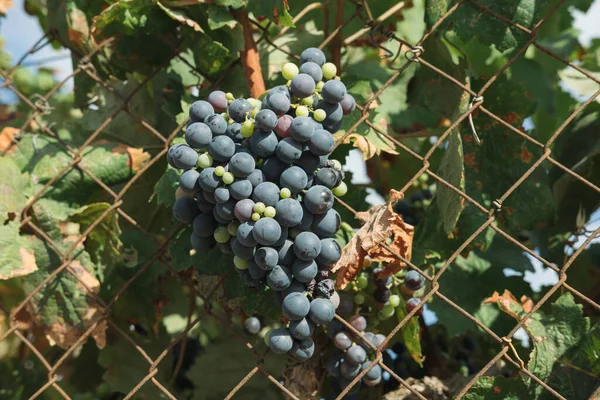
(223, 364)
(103, 242)
(43, 158)
(577, 148)
(275, 10)
(12, 189)
(469, 21)
(165, 187)
(253, 302)
(124, 366)
(16, 258)
(411, 334)
(180, 17)
(434, 10)
(504, 157)
(219, 17)
(498, 387)
(556, 333)
(212, 262)
(63, 307)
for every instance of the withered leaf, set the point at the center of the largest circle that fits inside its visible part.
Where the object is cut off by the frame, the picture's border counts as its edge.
(381, 225)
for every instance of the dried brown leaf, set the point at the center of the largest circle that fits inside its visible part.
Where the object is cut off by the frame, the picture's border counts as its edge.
(513, 307)
(7, 135)
(381, 225)
(5, 5)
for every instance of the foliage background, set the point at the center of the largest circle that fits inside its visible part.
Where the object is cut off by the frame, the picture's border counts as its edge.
(85, 191)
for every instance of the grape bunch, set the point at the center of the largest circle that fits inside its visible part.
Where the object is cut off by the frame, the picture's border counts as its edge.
(352, 354)
(258, 184)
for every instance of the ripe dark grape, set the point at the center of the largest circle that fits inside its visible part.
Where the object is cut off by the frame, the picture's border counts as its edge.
(184, 157)
(334, 114)
(301, 129)
(241, 251)
(200, 110)
(330, 252)
(282, 129)
(240, 189)
(279, 103)
(216, 123)
(286, 253)
(256, 177)
(226, 210)
(198, 135)
(313, 70)
(296, 306)
(272, 168)
(413, 303)
(293, 178)
(358, 322)
(288, 150)
(245, 235)
(303, 349)
(279, 278)
(238, 109)
(321, 142)
(185, 209)
(218, 100)
(303, 85)
(280, 341)
(356, 355)
(222, 194)
(413, 280)
(266, 231)
(333, 91)
(325, 288)
(313, 54)
(188, 181)
(252, 325)
(204, 225)
(326, 225)
(266, 258)
(263, 144)
(241, 165)
(328, 177)
(307, 246)
(382, 294)
(267, 193)
(289, 212)
(201, 243)
(348, 104)
(302, 328)
(304, 271)
(221, 148)
(243, 210)
(266, 120)
(321, 311)
(342, 340)
(318, 199)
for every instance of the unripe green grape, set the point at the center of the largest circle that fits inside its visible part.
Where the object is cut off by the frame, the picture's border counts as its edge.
(270, 212)
(228, 178)
(337, 164)
(285, 193)
(267, 336)
(386, 312)
(289, 71)
(319, 86)
(302, 111)
(229, 96)
(362, 282)
(294, 232)
(240, 263)
(359, 298)
(259, 207)
(247, 128)
(255, 216)
(319, 115)
(232, 227)
(340, 190)
(329, 70)
(308, 101)
(205, 160)
(394, 300)
(219, 171)
(259, 163)
(221, 234)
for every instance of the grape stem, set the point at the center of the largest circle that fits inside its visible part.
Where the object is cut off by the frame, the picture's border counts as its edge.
(249, 56)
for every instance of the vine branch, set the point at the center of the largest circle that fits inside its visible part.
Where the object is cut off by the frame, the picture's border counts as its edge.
(249, 56)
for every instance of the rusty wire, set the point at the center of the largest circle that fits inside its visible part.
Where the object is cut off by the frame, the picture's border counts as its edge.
(414, 54)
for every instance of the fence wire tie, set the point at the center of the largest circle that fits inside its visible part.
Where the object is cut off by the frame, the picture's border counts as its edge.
(42, 104)
(475, 100)
(508, 341)
(414, 53)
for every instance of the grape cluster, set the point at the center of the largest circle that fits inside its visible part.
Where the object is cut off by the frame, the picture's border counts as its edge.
(352, 354)
(258, 183)
(413, 209)
(387, 293)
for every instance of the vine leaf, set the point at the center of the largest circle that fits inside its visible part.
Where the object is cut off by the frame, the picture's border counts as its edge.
(103, 242)
(380, 223)
(12, 189)
(63, 307)
(7, 136)
(16, 257)
(370, 145)
(180, 17)
(411, 334)
(515, 308)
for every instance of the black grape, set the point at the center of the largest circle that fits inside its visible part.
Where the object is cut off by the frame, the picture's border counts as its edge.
(198, 135)
(185, 209)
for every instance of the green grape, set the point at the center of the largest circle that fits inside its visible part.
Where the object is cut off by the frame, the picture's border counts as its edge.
(259, 207)
(308, 101)
(294, 232)
(240, 263)
(221, 234)
(387, 311)
(270, 212)
(340, 190)
(229, 96)
(228, 178)
(423, 178)
(233, 227)
(319, 86)
(205, 160)
(337, 164)
(362, 282)
(255, 216)
(394, 300)
(329, 70)
(219, 171)
(267, 336)
(247, 128)
(302, 111)
(289, 71)
(285, 193)
(359, 299)
(319, 115)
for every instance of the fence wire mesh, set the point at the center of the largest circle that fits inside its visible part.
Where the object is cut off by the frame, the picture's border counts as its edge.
(414, 53)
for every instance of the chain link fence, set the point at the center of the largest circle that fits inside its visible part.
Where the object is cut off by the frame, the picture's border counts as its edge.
(414, 53)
